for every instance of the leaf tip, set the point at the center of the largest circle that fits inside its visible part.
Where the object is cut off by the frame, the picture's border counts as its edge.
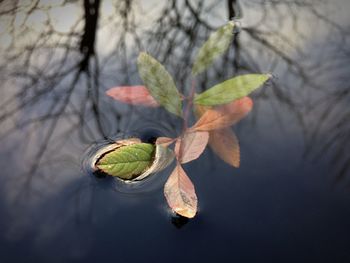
(236, 163)
(109, 92)
(269, 76)
(245, 102)
(142, 54)
(231, 24)
(189, 213)
(265, 77)
(142, 57)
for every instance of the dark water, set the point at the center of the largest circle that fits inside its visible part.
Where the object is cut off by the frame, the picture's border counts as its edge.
(289, 200)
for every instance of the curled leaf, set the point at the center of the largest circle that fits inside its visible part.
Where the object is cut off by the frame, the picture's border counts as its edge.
(111, 147)
(128, 141)
(218, 43)
(225, 144)
(159, 83)
(224, 116)
(163, 157)
(180, 193)
(134, 95)
(191, 146)
(127, 162)
(165, 141)
(231, 89)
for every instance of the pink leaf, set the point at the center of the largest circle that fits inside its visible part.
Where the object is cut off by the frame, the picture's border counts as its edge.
(225, 144)
(224, 116)
(135, 95)
(191, 146)
(180, 194)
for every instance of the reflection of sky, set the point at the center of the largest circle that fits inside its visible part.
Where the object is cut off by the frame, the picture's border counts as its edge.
(145, 12)
(61, 18)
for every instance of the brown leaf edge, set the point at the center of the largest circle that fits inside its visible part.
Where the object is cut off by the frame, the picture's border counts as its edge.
(180, 193)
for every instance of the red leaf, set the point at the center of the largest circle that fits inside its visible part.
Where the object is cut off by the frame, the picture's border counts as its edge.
(191, 146)
(225, 144)
(135, 95)
(180, 194)
(224, 116)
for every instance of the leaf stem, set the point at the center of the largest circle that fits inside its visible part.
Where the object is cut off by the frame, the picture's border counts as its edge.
(189, 105)
(186, 115)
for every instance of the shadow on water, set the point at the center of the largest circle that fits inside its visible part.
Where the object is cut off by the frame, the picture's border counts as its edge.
(58, 59)
(179, 221)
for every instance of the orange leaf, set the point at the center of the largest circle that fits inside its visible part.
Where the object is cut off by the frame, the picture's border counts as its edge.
(180, 194)
(199, 110)
(165, 141)
(135, 95)
(225, 144)
(224, 116)
(191, 146)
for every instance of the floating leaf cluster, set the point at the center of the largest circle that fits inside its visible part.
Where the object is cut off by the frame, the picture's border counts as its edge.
(217, 108)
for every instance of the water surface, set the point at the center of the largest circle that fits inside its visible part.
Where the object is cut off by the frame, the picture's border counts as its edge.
(289, 200)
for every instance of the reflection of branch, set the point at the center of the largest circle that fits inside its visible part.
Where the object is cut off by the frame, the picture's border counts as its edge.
(234, 9)
(48, 82)
(331, 134)
(196, 14)
(174, 38)
(258, 36)
(87, 43)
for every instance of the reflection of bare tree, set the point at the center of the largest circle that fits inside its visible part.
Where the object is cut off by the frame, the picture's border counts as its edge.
(63, 73)
(276, 50)
(309, 68)
(53, 85)
(330, 131)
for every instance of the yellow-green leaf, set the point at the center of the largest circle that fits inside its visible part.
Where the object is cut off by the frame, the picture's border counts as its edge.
(231, 89)
(127, 162)
(159, 83)
(218, 43)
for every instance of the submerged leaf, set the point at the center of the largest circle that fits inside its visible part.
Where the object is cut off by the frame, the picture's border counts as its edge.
(224, 116)
(225, 144)
(191, 146)
(127, 162)
(135, 95)
(231, 89)
(180, 194)
(160, 84)
(218, 43)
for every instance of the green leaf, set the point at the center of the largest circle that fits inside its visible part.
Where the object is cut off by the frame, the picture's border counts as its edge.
(218, 43)
(231, 89)
(160, 84)
(127, 162)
